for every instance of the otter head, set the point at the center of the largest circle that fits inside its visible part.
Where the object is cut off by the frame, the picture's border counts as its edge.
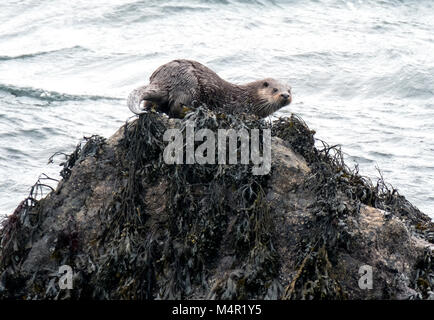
(271, 95)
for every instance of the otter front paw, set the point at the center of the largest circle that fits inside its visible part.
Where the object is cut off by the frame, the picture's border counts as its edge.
(184, 111)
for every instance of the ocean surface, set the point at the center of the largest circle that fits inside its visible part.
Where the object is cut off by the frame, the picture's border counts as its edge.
(362, 74)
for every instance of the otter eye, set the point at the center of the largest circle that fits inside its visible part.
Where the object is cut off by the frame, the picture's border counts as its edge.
(275, 90)
(265, 84)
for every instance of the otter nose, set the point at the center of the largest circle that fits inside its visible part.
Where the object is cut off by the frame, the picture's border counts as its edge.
(284, 95)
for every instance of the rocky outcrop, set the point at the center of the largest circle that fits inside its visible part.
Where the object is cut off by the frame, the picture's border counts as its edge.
(133, 227)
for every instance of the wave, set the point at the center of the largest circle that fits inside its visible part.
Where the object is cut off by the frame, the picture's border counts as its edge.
(143, 11)
(50, 96)
(43, 53)
(408, 82)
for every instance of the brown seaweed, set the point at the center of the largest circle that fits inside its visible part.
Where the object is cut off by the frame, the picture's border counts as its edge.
(211, 213)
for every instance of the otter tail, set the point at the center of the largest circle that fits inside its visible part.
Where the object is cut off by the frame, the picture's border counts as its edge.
(135, 99)
(148, 93)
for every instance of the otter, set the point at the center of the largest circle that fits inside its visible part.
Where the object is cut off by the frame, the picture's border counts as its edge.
(180, 84)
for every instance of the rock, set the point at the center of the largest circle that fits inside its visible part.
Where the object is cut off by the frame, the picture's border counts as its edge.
(132, 227)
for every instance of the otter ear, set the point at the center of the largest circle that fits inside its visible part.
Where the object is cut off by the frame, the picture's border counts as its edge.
(265, 84)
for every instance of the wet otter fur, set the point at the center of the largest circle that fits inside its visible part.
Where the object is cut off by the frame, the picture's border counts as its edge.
(180, 84)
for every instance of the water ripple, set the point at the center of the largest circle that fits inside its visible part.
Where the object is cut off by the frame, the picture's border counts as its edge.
(50, 96)
(62, 51)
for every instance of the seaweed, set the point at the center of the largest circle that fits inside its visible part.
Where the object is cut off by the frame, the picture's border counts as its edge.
(183, 231)
(21, 224)
(331, 178)
(88, 146)
(20, 229)
(201, 201)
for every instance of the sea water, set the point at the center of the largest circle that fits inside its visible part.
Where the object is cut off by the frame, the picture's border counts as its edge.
(362, 74)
